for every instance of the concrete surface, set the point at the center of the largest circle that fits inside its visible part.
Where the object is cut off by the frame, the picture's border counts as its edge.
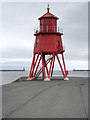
(40, 99)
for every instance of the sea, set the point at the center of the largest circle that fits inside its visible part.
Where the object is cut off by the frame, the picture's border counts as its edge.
(7, 77)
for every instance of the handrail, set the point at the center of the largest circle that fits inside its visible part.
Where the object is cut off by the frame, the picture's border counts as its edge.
(48, 29)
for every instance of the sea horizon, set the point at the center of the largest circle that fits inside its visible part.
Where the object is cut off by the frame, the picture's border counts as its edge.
(10, 76)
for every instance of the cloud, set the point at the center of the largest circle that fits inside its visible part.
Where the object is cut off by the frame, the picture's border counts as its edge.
(20, 20)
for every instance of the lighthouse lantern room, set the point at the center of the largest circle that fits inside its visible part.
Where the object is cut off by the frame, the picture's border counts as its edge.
(48, 45)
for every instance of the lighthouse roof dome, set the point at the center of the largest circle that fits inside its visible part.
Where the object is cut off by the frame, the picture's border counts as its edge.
(48, 15)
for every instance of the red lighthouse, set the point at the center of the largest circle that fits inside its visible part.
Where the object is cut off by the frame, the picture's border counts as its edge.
(48, 45)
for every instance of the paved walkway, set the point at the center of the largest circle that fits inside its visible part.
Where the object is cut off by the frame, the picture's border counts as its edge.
(39, 99)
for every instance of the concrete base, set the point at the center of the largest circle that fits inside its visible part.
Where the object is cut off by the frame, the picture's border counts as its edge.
(32, 99)
(30, 78)
(66, 78)
(47, 79)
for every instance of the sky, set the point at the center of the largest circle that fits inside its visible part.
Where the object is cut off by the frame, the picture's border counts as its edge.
(21, 18)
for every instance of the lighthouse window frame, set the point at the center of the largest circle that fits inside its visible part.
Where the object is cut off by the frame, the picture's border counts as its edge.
(37, 41)
(41, 22)
(56, 43)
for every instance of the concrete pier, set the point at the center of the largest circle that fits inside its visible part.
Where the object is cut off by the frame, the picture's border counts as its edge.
(40, 99)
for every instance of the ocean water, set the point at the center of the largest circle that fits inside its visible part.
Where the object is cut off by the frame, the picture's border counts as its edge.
(10, 76)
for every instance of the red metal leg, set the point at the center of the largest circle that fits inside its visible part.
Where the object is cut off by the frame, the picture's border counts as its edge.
(64, 64)
(43, 66)
(34, 63)
(46, 69)
(32, 66)
(61, 67)
(52, 66)
(46, 62)
(37, 66)
(39, 72)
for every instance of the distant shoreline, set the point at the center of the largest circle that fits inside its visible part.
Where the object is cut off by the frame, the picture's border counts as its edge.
(12, 70)
(25, 70)
(81, 70)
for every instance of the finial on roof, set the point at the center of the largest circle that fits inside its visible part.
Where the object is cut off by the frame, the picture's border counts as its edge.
(48, 8)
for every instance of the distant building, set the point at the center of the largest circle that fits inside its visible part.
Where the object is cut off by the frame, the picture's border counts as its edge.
(23, 68)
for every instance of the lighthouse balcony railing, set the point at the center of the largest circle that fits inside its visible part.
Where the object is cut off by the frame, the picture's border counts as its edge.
(48, 29)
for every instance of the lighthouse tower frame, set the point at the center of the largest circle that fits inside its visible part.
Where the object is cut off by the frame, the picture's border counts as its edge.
(48, 45)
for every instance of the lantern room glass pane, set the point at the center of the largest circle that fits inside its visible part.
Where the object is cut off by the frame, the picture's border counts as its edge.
(41, 22)
(37, 41)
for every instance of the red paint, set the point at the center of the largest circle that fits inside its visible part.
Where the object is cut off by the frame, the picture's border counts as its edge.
(48, 41)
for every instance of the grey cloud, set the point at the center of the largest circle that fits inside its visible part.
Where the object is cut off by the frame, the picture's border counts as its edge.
(17, 52)
(20, 20)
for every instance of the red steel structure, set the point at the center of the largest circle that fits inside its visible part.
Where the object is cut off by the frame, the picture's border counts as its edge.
(48, 45)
